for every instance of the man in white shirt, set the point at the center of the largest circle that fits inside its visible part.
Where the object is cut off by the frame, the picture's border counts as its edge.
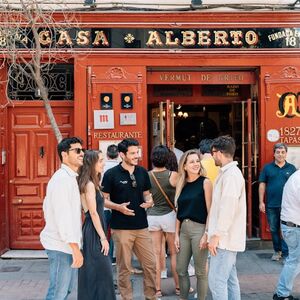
(62, 235)
(290, 227)
(227, 222)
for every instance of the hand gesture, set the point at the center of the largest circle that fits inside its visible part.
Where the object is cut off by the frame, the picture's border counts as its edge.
(105, 247)
(77, 259)
(125, 210)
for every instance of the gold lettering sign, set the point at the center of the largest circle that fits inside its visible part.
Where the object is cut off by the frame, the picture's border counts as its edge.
(175, 77)
(154, 39)
(290, 135)
(100, 38)
(175, 38)
(188, 38)
(83, 38)
(169, 41)
(202, 38)
(118, 135)
(44, 38)
(288, 105)
(64, 38)
(221, 37)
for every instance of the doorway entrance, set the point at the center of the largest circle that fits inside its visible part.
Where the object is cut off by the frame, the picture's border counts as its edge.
(32, 160)
(183, 124)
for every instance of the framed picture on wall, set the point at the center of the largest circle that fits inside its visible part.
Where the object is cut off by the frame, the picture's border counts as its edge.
(106, 101)
(127, 101)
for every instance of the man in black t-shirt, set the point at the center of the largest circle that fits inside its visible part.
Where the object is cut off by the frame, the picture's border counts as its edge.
(126, 191)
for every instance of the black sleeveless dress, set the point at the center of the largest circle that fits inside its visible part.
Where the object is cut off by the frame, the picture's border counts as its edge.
(95, 277)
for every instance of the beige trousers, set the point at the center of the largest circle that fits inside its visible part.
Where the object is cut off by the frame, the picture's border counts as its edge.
(138, 241)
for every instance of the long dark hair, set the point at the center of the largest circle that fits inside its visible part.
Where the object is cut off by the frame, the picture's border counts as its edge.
(87, 171)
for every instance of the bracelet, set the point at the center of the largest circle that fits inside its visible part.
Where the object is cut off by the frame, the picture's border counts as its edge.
(102, 240)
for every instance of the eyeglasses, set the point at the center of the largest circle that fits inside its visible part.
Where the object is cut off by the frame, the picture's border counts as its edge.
(77, 150)
(133, 183)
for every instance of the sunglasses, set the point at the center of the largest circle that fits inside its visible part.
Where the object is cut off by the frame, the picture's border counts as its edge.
(133, 183)
(77, 150)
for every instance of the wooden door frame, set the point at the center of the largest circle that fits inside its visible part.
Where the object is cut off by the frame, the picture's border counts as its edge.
(4, 217)
(27, 106)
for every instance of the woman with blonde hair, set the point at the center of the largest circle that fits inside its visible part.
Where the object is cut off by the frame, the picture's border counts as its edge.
(193, 201)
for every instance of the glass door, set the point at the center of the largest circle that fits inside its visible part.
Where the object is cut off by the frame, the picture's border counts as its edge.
(244, 131)
(162, 124)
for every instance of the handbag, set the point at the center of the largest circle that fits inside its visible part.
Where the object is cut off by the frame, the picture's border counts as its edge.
(163, 192)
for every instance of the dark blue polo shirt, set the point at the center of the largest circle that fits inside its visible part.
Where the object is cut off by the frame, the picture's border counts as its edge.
(275, 178)
(118, 184)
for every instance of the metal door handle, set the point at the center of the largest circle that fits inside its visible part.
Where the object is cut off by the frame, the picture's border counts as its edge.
(18, 201)
(42, 152)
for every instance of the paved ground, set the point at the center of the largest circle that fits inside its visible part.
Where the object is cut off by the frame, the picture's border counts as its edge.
(27, 279)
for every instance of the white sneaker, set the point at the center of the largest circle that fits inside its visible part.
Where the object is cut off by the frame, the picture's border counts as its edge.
(276, 256)
(163, 274)
(191, 270)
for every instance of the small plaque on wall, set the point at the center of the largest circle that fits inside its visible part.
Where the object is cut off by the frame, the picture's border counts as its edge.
(104, 119)
(126, 100)
(106, 101)
(127, 118)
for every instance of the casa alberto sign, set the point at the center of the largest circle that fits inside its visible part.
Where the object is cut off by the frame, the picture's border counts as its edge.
(154, 38)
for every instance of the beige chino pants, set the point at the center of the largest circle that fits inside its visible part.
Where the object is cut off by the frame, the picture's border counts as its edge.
(138, 241)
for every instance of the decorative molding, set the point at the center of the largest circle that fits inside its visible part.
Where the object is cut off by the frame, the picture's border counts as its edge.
(140, 83)
(287, 75)
(289, 72)
(267, 85)
(116, 73)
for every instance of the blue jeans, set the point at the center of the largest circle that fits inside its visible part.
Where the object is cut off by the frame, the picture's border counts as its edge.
(291, 267)
(107, 218)
(62, 276)
(222, 277)
(273, 215)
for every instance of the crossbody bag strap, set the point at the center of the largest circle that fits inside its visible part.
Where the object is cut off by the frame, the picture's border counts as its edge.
(162, 191)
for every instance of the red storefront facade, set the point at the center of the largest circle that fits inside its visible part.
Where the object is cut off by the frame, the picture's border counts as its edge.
(231, 73)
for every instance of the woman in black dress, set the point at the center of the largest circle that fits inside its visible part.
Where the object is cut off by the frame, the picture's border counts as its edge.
(95, 278)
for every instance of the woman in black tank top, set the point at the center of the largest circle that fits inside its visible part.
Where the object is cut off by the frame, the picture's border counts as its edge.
(193, 201)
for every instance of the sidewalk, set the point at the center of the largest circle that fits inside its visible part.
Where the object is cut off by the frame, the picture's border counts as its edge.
(27, 279)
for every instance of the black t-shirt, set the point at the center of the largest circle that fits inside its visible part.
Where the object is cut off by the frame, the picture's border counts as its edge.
(118, 184)
(191, 202)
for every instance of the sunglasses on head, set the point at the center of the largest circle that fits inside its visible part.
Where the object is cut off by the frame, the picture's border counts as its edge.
(77, 150)
(133, 181)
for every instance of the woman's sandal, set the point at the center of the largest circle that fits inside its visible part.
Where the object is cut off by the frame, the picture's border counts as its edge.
(158, 293)
(177, 291)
